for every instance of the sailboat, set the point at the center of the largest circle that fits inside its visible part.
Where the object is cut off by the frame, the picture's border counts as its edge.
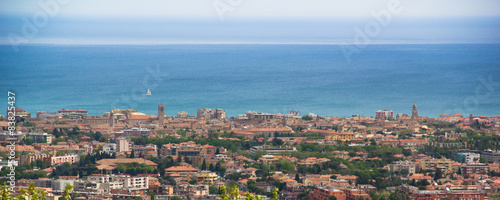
(149, 93)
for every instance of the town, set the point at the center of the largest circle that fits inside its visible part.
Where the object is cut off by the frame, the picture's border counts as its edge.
(125, 154)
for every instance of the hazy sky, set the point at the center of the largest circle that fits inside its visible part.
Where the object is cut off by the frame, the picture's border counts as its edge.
(253, 21)
(255, 8)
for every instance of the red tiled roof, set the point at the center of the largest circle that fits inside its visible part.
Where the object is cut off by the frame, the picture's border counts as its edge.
(181, 169)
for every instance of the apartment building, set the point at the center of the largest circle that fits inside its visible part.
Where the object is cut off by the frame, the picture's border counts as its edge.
(446, 165)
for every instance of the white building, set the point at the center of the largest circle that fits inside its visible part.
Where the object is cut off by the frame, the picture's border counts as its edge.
(109, 148)
(72, 158)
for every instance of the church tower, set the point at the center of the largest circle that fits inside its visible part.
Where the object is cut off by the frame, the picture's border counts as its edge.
(414, 112)
(161, 113)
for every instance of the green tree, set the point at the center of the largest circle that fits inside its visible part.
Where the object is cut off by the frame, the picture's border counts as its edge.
(204, 165)
(307, 118)
(66, 195)
(176, 198)
(438, 174)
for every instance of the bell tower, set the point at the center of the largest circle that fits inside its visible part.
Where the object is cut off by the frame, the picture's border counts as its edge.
(161, 113)
(414, 112)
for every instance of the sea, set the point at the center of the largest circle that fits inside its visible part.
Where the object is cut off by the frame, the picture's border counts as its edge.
(274, 78)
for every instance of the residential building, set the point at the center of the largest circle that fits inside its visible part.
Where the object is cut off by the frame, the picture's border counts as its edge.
(32, 157)
(209, 113)
(467, 157)
(57, 160)
(206, 177)
(123, 145)
(110, 148)
(18, 112)
(384, 114)
(270, 132)
(355, 194)
(433, 164)
(268, 159)
(40, 137)
(416, 194)
(73, 114)
(181, 171)
(324, 193)
(408, 165)
(474, 168)
(272, 150)
(192, 190)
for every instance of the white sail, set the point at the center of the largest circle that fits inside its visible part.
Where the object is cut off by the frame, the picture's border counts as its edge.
(149, 93)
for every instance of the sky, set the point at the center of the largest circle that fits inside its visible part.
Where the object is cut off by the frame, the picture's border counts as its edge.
(248, 21)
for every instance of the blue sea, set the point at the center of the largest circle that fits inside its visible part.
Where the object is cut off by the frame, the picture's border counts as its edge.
(439, 78)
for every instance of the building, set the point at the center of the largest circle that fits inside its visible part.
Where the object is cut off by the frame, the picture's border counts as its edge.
(161, 114)
(145, 150)
(192, 190)
(345, 137)
(7, 138)
(73, 114)
(324, 193)
(162, 189)
(187, 149)
(123, 145)
(416, 194)
(270, 132)
(355, 194)
(206, 177)
(109, 182)
(445, 165)
(209, 113)
(491, 156)
(110, 148)
(182, 115)
(414, 112)
(110, 164)
(134, 132)
(47, 115)
(467, 157)
(384, 114)
(18, 112)
(181, 171)
(32, 157)
(268, 159)
(474, 168)
(272, 150)
(40, 137)
(400, 116)
(403, 165)
(181, 150)
(259, 116)
(57, 160)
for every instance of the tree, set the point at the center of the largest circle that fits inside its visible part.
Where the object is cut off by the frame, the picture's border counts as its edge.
(66, 195)
(204, 165)
(277, 142)
(297, 178)
(176, 198)
(307, 118)
(438, 174)
(332, 198)
(234, 194)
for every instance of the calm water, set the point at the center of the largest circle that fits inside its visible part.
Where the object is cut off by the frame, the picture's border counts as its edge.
(265, 78)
